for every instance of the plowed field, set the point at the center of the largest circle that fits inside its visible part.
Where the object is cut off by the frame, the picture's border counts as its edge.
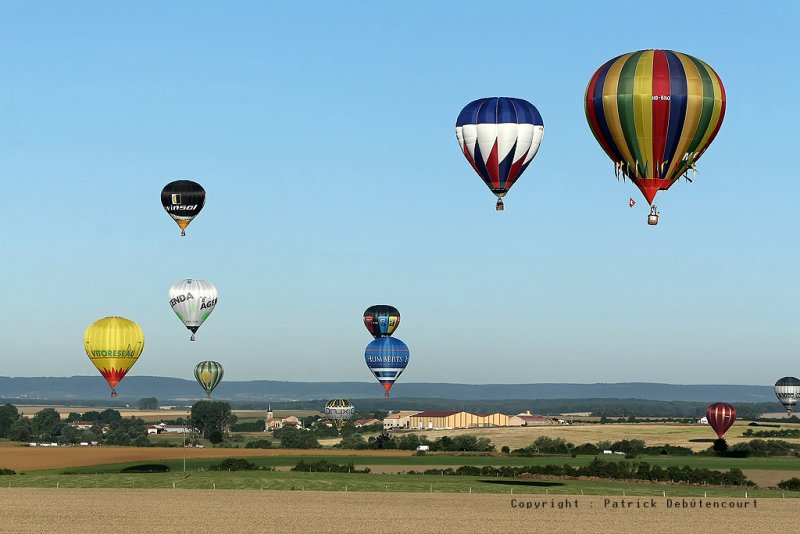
(133, 511)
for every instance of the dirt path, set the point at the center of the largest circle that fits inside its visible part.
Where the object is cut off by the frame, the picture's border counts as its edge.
(133, 511)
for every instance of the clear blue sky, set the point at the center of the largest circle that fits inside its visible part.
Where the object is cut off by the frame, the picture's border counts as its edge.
(324, 136)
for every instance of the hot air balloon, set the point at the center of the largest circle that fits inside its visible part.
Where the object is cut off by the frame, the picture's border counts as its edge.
(381, 320)
(183, 200)
(787, 389)
(655, 112)
(499, 136)
(209, 375)
(386, 357)
(339, 412)
(720, 416)
(113, 345)
(192, 301)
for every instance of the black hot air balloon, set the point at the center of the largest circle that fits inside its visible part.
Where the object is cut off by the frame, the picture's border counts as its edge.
(381, 320)
(183, 200)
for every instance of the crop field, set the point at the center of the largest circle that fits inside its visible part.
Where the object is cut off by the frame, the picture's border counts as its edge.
(35, 458)
(37, 510)
(393, 483)
(697, 437)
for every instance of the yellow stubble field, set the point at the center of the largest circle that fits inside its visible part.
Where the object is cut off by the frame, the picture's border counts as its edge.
(653, 434)
(186, 511)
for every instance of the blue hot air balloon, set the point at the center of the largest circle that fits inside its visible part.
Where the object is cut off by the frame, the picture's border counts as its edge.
(386, 357)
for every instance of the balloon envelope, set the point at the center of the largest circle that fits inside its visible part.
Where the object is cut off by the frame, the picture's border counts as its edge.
(192, 301)
(654, 112)
(381, 320)
(499, 136)
(339, 411)
(208, 374)
(113, 345)
(386, 357)
(183, 200)
(720, 416)
(787, 389)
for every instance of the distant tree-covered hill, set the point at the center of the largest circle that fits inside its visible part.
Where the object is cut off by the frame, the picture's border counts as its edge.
(167, 390)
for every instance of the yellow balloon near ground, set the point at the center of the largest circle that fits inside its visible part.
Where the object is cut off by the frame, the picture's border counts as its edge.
(113, 345)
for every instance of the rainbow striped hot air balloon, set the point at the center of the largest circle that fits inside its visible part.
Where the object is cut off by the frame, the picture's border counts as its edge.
(113, 344)
(655, 112)
(208, 374)
(386, 357)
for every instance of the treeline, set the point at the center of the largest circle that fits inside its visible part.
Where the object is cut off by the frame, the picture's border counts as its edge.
(761, 447)
(608, 470)
(410, 442)
(46, 426)
(636, 447)
(782, 433)
(631, 448)
(323, 466)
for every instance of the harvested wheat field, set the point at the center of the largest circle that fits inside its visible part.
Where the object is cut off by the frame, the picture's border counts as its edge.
(652, 434)
(43, 510)
(34, 458)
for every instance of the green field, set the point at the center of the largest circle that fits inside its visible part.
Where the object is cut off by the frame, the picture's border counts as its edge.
(418, 463)
(280, 480)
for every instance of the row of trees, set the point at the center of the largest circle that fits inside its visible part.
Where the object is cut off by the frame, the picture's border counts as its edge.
(636, 447)
(610, 470)
(47, 426)
(211, 419)
(410, 442)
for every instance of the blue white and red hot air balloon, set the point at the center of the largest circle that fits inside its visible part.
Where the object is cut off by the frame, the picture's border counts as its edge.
(499, 136)
(386, 357)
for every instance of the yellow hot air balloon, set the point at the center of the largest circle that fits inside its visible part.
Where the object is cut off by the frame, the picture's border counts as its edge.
(113, 344)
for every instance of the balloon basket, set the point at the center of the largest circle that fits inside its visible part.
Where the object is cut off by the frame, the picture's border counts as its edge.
(499, 206)
(183, 233)
(652, 219)
(114, 393)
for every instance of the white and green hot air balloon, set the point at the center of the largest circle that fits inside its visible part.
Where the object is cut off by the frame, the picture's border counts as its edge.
(208, 375)
(787, 389)
(192, 301)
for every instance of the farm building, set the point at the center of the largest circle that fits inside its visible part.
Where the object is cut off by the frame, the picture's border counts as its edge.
(399, 419)
(81, 425)
(174, 429)
(447, 420)
(366, 422)
(529, 419)
(159, 428)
